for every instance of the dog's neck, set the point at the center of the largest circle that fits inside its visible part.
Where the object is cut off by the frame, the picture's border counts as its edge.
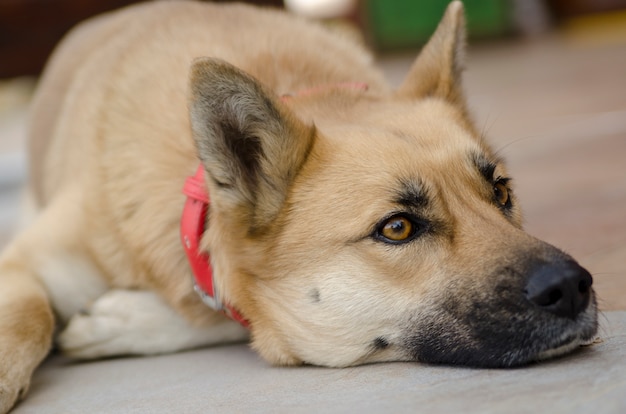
(194, 218)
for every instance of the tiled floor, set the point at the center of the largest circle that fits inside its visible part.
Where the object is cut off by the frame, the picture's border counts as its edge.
(556, 109)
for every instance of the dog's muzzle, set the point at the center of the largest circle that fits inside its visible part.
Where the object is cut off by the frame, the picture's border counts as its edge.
(514, 317)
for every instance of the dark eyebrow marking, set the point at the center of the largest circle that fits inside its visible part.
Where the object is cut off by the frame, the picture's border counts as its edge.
(412, 194)
(485, 166)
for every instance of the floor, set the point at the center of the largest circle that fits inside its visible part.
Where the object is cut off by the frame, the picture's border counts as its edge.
(555, 107)
(233, 379)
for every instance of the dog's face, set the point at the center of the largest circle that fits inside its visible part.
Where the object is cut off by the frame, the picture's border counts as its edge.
(392, 236)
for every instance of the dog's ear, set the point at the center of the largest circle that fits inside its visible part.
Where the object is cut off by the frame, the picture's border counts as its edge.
(251, 146)
(437, 69)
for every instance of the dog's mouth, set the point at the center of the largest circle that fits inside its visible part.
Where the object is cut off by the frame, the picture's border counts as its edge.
(569, 345)
(585, 335)
(492, 343)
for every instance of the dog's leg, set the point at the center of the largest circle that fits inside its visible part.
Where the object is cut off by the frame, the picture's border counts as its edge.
(123, 322)
(44, 268)
(26, 326)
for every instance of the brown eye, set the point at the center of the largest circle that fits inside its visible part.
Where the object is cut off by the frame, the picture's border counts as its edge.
(397, 228)
(501, 193)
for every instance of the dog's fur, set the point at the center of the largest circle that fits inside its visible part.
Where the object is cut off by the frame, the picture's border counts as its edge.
(304, 191)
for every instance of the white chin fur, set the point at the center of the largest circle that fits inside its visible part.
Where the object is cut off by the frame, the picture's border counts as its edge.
(564, 349)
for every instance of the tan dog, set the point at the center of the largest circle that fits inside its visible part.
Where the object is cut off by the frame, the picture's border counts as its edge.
(348, 223)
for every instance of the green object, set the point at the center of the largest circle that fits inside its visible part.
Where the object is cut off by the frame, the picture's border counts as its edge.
(406, 23)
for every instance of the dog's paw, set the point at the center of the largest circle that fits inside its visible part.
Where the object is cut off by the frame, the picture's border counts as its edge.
(15, 373)
(11, 391)
(124, 322)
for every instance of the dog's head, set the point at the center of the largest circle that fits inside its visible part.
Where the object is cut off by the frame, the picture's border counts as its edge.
(387, 233)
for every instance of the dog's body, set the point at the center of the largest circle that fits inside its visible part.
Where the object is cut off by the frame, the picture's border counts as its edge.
(386, 231)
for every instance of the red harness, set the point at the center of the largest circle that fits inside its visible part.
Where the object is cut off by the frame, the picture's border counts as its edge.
(193, 223)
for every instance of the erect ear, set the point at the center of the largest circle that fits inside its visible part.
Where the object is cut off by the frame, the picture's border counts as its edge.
(437, 69)
(251, 146)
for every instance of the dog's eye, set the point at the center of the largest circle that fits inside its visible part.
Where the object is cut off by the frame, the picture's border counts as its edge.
(501, 193)
(397, 229)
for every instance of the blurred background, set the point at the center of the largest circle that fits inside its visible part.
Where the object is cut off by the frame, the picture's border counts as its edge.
(545, 79)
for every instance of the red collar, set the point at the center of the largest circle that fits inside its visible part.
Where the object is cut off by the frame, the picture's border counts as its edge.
(192, 226)
(193, 223)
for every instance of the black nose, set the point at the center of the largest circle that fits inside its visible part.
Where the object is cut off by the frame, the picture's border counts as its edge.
(562, 288)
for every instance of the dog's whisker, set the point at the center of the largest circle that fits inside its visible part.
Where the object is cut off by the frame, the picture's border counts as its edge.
(502, 148)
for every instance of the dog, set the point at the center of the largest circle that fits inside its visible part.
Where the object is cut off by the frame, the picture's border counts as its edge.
(329, 218)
